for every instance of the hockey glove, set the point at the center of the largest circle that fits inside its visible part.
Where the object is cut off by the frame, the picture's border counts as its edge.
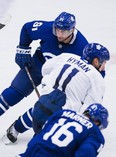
(23, 56)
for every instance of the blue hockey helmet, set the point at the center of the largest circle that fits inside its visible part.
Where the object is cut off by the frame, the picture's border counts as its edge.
(97, 113)
(95, 50)
(65, 21)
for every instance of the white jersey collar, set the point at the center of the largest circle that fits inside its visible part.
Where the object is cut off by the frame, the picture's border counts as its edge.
(74, 36)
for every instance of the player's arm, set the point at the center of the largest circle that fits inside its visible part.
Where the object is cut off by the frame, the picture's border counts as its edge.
(90, 148)
(46, 106)
(94, 95)
(86, 150)
(30, 31)
(23, 51)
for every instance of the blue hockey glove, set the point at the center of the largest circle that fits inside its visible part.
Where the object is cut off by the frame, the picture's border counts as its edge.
(46, 106)
(23, 56)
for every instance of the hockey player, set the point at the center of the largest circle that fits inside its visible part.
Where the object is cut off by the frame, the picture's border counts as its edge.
(56, 37)
(70, 134)
(78, 77)
(4, 16)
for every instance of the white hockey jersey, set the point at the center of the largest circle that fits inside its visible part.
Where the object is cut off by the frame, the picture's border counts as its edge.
(81, 82)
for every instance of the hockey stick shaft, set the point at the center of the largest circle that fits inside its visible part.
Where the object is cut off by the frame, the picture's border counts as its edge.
(32, 82)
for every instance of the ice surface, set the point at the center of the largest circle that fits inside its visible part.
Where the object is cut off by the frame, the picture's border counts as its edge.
(95, 19)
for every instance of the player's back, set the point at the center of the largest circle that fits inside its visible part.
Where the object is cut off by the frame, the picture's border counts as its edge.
(75, 77)
(62, 135)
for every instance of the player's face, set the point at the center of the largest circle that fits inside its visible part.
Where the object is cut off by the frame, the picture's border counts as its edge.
(102, 66)
(62, 35)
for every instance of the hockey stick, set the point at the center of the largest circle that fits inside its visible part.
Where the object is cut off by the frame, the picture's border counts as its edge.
(32, 82)
(5, 20)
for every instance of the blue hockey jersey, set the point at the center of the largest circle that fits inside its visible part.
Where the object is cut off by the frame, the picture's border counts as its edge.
(66, 134)
(49, 44)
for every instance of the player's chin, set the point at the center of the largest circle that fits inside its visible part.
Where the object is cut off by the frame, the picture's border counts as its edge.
(60, 39)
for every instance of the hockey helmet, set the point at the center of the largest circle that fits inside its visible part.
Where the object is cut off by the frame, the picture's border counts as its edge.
(95, 50)
(65, 21)
(97, 113)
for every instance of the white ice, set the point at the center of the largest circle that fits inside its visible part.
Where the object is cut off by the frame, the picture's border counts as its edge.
(95, 19)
